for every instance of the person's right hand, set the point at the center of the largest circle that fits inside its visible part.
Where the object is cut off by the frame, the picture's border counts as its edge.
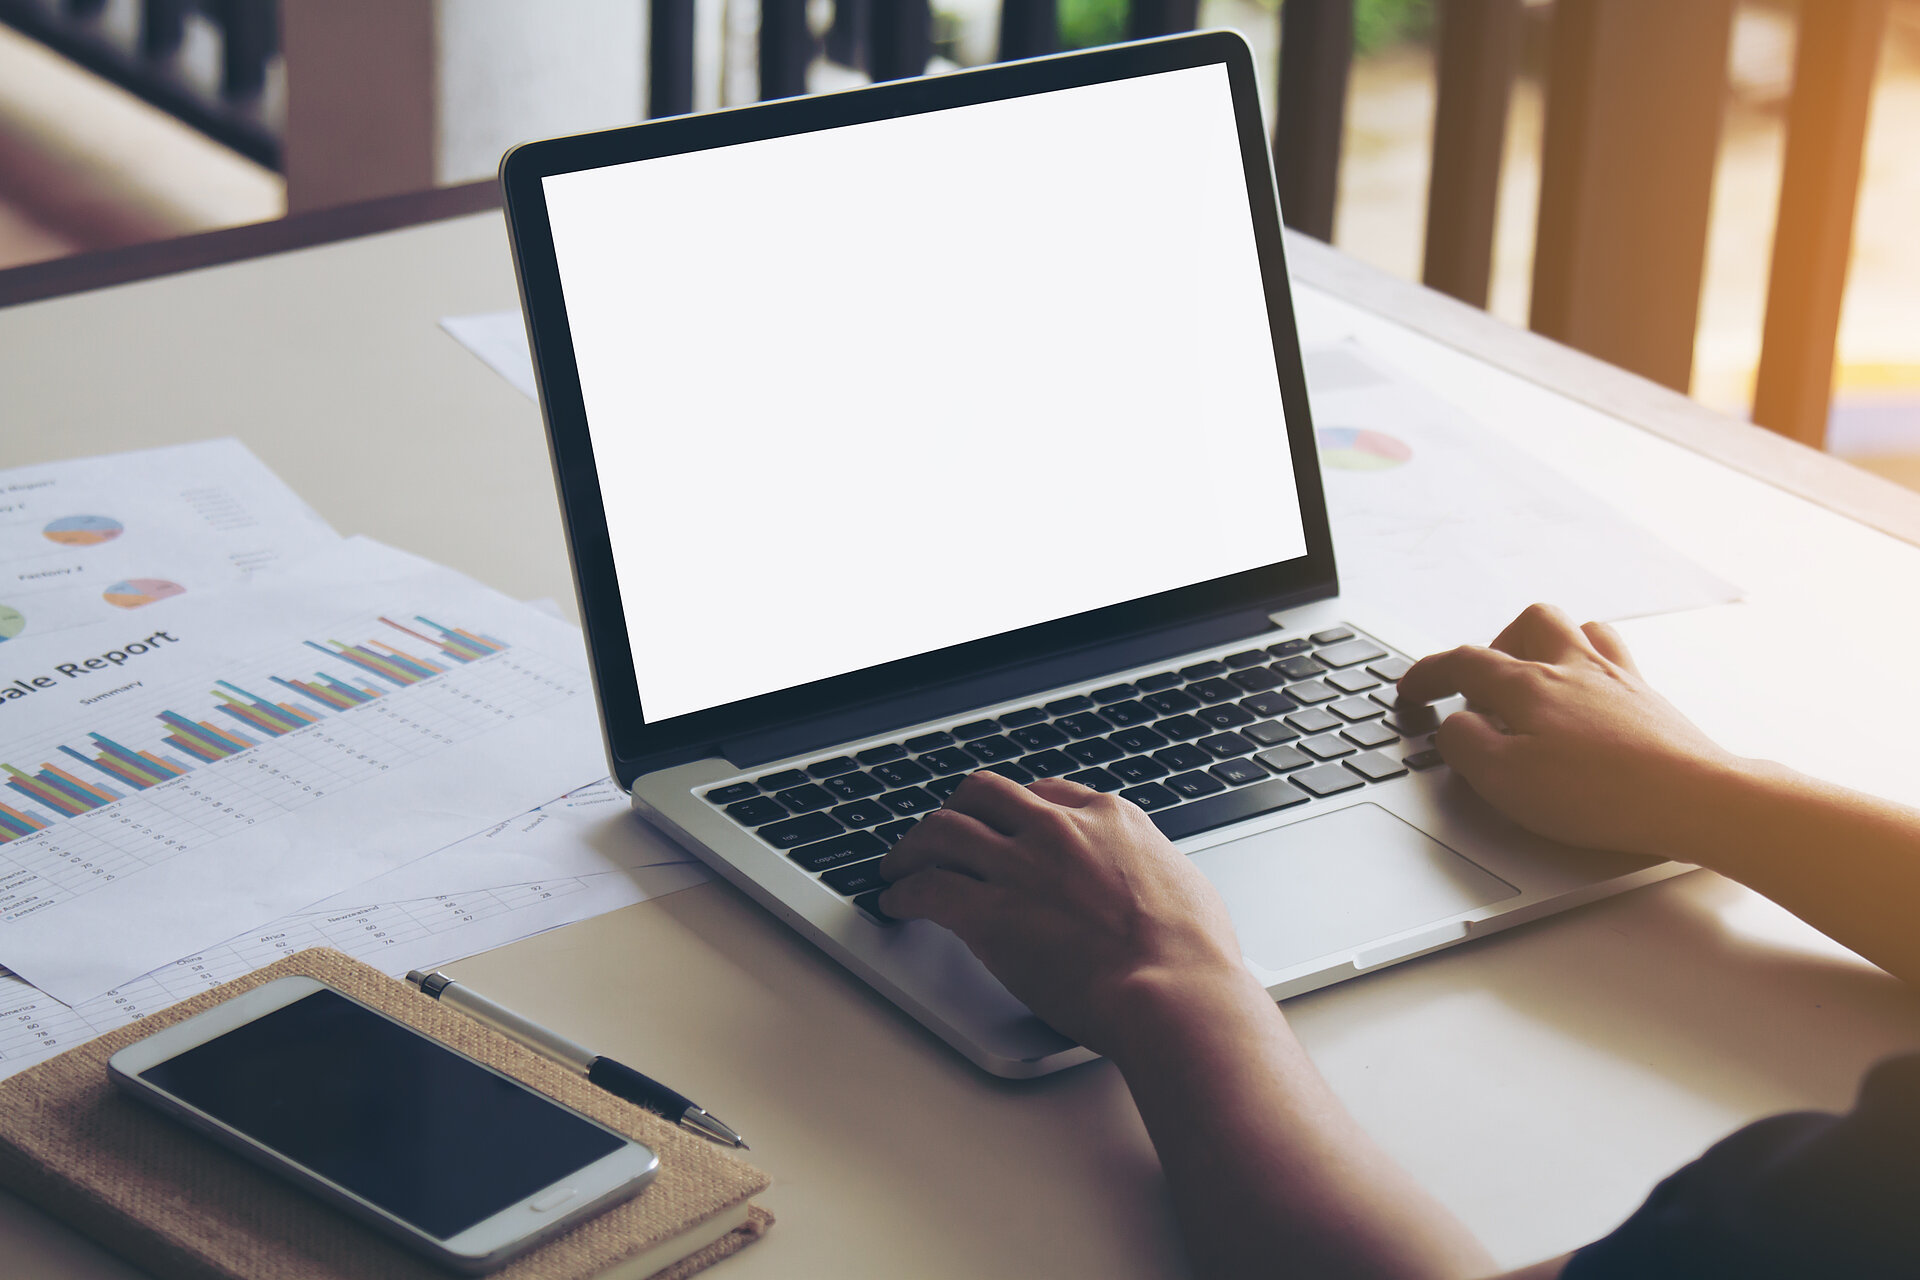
(1564, 736)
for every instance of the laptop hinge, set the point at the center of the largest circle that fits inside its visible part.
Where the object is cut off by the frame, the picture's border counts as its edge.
(780, 741)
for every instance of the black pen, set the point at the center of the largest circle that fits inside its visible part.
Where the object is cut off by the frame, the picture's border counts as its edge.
(616, 1078)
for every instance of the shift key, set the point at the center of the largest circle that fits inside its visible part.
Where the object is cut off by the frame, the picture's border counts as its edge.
(1230, 806)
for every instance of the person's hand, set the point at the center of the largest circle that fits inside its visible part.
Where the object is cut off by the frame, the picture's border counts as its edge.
(1564, 736)
(1071, 898)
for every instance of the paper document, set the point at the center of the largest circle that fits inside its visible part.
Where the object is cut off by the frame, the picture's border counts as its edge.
(1440, 523)
(500, 339)
(126, 536)
(164, 786)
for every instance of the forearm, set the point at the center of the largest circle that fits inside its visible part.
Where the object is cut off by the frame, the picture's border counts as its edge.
(1269, 1175)
(1846, 863)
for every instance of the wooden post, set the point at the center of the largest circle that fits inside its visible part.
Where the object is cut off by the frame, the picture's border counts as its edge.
(1833, 74)
(900, 39)
(1635, 93)
(1477, 49)
(1028, 28)
(1146, 18)
(786, 48)
(1316, 52)
(669, 57)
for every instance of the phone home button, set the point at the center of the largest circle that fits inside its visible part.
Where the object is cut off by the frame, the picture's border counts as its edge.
(551, 1200)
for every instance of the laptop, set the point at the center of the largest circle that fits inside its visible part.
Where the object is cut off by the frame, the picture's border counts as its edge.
(959, 423)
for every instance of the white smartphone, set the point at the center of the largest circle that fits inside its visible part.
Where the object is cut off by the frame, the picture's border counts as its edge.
(460, 1162)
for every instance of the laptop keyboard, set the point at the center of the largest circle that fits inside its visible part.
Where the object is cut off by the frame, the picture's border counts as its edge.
(1219, 741)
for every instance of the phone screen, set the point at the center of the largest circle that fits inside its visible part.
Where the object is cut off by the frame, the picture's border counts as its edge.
(427, 1135)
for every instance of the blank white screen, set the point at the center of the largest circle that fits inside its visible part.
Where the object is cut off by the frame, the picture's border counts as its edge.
(859, 394)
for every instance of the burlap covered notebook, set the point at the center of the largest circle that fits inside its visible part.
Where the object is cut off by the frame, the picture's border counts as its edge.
(182, 1208)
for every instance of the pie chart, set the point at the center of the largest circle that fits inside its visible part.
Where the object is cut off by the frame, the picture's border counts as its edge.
(84, 531)
(1361, 449)
(12, 623)
(135, 592)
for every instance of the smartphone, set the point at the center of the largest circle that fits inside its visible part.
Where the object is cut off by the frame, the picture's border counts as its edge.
(443, 1153)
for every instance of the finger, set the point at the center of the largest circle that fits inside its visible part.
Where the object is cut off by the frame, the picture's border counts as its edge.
(947, 898)
(1484, 676)
(1062, 792)
(946, 838)
(1470, 743)
(1001, 803)
(1607, 642)
(1542, 633)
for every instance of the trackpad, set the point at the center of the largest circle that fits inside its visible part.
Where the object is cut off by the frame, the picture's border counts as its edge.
(1338, 882)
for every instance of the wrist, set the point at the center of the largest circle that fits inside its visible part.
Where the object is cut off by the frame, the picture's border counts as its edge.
(1158, 1006)
(1726, 804)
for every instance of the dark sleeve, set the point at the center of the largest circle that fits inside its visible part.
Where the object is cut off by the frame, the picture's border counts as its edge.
(1803, 1195)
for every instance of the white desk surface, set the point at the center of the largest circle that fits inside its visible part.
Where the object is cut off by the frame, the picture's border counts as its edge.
(1539, 1081)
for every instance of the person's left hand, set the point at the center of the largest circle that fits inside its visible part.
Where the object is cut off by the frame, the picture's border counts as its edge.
(1072, 898)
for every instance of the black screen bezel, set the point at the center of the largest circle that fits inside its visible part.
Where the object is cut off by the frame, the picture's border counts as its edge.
(635, 744)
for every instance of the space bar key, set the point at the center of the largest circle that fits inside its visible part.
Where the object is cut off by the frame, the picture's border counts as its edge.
(1228, 806)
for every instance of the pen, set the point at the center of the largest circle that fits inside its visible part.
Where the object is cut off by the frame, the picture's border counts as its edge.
(616, 1078)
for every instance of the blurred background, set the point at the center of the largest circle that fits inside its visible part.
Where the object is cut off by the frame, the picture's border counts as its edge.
(126, 121)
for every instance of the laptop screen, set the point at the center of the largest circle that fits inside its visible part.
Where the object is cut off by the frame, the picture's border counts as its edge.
(867, 392)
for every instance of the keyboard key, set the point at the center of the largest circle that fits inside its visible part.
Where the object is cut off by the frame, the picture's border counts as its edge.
(1037, 737)
(754, 812)
(1114, 693)
(857, 878)
(1136, 769)
(1271, 732)
(1238, 773)
(1235, 805)
(1171, 701)
(975, 729)
(1311, 692)
(882, 754)
(1284, 759)
(1098, 779)
(1225, 715)
(902, 773)
(1314, 720)
(1414, 720)
(945, 787)
(1376, 766)
(1183, 756)
(1221, 746)
(994, 747)
(1024, 716)
(1203, 670)
(1300, 666)
(1050, 763)
(1355, 708)
(1215, 690)
(928, 741)
(1245, 658)
(862, 813)
(948, 760)
(1094, 751)
(892, 832)
(1390, 669)
(1011, 771)
(1257, 679)
(1134, 741)
(735, 791)
(1194, 785)
(1181, 727)
(1287, 648)
(1150, 796)
(1267, 705)
(1087, 724)
(1067, 706)
(782, 780)
(1158, 681)
(795, 832)
(852, 846)
(827, 768)
(1428, 759)
(1350, 653)
(1332, 635)
(1132, 711)
(1327, 747)
(1370, 733)
(1353, 681)
(805, 799)
(1326, 779)
(910, 800)
(869, 904)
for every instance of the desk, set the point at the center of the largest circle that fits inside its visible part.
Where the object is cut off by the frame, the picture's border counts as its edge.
(1539, 1081)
